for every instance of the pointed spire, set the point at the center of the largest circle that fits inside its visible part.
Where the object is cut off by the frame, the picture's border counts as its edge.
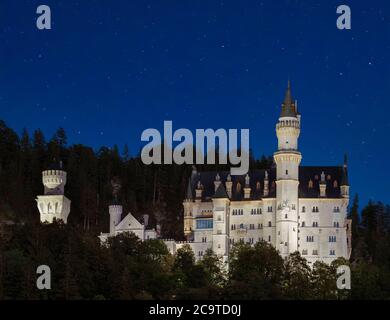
(344, 177)
(189, 191)
(287, 98)
(288, 105)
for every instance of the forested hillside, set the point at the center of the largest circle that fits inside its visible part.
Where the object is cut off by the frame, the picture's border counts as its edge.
(130, 269)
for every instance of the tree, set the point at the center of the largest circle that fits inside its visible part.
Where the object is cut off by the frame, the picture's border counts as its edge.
(296, 278)
(255, 272)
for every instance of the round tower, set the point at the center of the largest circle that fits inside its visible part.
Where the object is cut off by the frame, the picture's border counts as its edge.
(53, 205)
(287, 160)
(54, 181)
(115, 212)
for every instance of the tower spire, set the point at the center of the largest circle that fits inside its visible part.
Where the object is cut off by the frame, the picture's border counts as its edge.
(288, 105)
(344, 177)
(287, 97)
(189, 191)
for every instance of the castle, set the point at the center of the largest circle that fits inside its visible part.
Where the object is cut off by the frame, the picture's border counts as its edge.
(292, 207)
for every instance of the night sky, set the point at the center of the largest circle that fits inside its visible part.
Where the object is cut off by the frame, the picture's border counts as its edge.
(110, 69)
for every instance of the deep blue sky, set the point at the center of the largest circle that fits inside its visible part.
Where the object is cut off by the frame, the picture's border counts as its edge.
(110, 69)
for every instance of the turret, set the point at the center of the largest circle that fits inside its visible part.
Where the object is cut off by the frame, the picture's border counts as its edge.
(53, 204)
(188, 204)
(188, 218)
(344, 186)
(287, 160)
(229, 185)
(221, 223)
(266, 184)
(247, 188)
(115, 212)
(217, 182)
(322, 185)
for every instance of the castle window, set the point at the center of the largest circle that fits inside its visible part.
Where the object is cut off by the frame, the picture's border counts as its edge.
(315, 252)
(304, 252)
(204, 224)
(336, 209)
(303, 209)
(269, 238)
(269, 224)
(258, 185)
(332, 252)
(310, 239)
(293, 206)
(310, 184)
(286, 172)
(303, 223)
(260, 226)
(285, 216)
(315, 224)
(315, 209)
(335, 184)
(238, 187)
(270, 209)
(332, 238)
(336, 224)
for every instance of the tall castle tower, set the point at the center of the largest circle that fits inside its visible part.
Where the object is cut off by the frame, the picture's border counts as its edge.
(53, 204)
(287, 160)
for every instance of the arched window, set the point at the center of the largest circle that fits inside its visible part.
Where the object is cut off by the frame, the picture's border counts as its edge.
(310, 184)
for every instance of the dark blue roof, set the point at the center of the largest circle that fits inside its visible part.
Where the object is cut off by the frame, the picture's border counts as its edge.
(306, 173)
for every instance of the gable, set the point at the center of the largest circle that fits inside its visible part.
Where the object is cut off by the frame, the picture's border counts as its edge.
(129, 223)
